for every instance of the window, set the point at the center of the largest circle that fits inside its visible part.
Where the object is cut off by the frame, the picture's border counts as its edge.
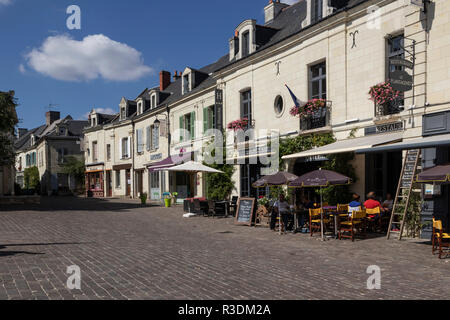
(209, 118)
(187, 127)
(140, 108)
(62, 152)
(155, 137)
(186, 84)
(317, 10)
(246, 105)
(396, 50)
(117, 179)
(245, 44)
(123, 114)
(32, 140)
(153, 101)
(279, 105)
(94, 151)
(318, 81)
(125, 148)
(33, 159)
(154, 180)
(108, 152)
(28, 160)
(41, 158)
(139, 141)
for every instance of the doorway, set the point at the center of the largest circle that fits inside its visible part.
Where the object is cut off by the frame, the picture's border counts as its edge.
(128, 182)
(108, 184)
(139, 182)
(383, 172)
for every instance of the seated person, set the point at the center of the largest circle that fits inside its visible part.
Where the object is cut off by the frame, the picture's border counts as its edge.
(373, 203)
(281, 207)
(355, 205)
(388, 204)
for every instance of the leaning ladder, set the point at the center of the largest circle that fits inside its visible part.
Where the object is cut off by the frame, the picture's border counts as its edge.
(404, 190)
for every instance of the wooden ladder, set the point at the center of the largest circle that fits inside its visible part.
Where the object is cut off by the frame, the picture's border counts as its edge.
(404, 190)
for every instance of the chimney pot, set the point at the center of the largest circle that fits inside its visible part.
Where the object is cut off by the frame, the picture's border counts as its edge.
(52, 116)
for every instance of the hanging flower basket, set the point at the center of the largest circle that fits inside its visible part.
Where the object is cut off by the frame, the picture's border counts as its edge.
(237, 125)
(308, 109)
(383, 93)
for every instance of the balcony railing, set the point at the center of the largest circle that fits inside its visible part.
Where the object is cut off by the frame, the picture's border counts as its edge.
(393, 107)
(319, 119)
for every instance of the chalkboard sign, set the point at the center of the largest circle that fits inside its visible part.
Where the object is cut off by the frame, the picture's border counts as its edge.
(245, 211)
(410, 167)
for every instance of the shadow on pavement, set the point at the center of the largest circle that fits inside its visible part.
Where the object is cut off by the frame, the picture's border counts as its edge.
(16, 253)
(77, 204)
(4, 246)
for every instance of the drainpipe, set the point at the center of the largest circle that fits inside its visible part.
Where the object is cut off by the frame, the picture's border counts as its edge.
(132, 173)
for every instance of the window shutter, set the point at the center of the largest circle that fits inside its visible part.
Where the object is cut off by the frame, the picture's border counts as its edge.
(205, 120)
(163, 128)
(148, 138)
(181, 128)
(192, 125)
(129, 147)
(120, 149)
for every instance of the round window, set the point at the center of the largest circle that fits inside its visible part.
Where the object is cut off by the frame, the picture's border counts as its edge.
(279, 105)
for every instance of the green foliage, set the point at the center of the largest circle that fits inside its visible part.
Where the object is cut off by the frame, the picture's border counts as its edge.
(220, 185)
(413, 223)
(303, 143)
(31, 178)
(74, 166)
(339, 163)
(8, 120)
(143, 198)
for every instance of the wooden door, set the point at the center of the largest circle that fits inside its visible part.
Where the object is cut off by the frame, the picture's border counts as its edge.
(128, 182)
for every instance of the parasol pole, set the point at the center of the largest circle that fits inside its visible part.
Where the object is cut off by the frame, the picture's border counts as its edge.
(321, 215)
(279, 211)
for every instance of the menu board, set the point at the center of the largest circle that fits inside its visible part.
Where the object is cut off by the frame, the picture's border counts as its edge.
(245, 211)
(410, 167)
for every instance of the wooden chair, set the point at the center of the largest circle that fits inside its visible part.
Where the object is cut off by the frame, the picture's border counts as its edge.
(343, 210)
(262, 217)
(352, 226)
(372, 215)
(210, 209)
(314, 221)
(233, 205)
(440, 239)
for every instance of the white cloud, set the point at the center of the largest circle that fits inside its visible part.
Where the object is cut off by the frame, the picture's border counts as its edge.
(96, 56)
(21, 67)
(5, 2)
(290, 1)
(100, 110)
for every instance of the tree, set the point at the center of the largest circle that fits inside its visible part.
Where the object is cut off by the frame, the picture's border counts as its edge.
(8, 121)
(74, 166)
(31, 178)
(220, 185)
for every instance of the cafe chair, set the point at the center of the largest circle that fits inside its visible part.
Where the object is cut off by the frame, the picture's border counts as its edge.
(372, 215)
(211, 207)
(342, 209)
(197, 207)
(233, 205)
(314, 221)
(441, 240)
(355, 224)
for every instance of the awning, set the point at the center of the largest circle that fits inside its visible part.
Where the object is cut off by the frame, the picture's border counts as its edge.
(349, 145)
(170, 162)
(417, 143)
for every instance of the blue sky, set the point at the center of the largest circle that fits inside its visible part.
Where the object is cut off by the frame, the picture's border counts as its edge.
(45, 62)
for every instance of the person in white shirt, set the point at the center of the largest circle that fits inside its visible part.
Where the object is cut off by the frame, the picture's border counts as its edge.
(281, 207)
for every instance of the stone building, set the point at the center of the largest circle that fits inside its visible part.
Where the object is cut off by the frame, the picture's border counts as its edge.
(334, 51)
(47, 148)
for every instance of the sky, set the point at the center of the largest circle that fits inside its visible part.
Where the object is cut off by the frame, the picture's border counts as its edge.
(118, 52)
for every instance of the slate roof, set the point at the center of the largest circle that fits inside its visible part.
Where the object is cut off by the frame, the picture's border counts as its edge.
(75, 129)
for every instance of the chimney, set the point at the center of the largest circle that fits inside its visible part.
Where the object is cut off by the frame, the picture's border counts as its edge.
(21, 132)
(52, 116)
(273, 9)
(176, 76)
(164, 80)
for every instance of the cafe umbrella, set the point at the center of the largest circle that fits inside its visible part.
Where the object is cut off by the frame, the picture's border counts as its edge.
(438, 174)
(320, 179)
(276, 180)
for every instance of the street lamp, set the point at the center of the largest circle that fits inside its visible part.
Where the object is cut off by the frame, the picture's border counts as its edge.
(157, 123)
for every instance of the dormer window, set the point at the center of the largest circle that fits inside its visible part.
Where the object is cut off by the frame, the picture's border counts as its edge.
(245, 44)
(33, 140)
(140, 107)
(186, 83)
(317, 10)
(94, 121)
(153, 101)
(123, 113)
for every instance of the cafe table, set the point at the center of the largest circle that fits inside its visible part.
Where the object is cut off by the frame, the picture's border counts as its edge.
(332, 211)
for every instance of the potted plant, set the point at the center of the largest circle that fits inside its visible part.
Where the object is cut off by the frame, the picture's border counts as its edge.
(308, 109)
(383, 94)
(263, 202)
(237, 125)
(143, 198)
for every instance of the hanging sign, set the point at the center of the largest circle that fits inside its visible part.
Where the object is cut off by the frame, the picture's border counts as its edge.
(402, 63)
(401, 81)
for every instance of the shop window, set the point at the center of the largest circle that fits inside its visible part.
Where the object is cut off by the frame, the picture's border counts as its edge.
(118, 182)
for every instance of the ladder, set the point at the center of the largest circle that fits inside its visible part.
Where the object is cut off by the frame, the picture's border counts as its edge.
(404, 190)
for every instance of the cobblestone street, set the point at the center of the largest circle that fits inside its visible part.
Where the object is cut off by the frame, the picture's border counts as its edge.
(126, 251)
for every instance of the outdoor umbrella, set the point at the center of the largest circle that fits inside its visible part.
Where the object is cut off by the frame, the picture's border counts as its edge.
(191, 167)
(321, 179)
(438, 174)
(276, 180)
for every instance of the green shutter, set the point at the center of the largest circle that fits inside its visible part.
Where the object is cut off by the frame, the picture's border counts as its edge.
(181, 128)
(205, 120)
(192, 125)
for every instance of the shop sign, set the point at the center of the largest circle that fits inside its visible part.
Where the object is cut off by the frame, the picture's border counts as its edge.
(402, 63)
(390, 127)
(95, 169)
(401, 81)
(156, 157)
